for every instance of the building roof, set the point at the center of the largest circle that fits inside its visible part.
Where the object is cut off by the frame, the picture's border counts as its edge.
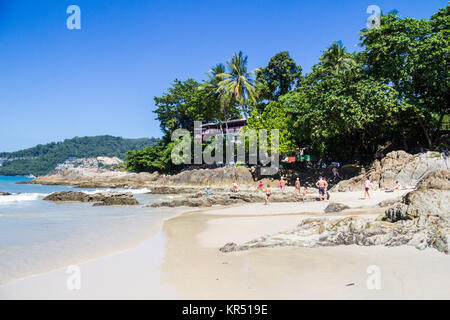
(229, 122)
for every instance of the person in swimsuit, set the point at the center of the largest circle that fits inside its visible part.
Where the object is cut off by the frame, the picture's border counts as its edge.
(321, 184)
(260, 185)
(282, 184)
(268, 192)
(305, 192)
(366, 188)
(297, 186)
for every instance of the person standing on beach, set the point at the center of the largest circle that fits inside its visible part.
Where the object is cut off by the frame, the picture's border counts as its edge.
(235, 187)
(282, 184)
(268, 193)
(260, 186)
(366, 188)
(297, 186)
(335, 172)
(326, 189)
(305, 193)
(321, 184)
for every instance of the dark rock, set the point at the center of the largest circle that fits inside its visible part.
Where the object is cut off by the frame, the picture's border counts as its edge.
(100, 199)
(229, 247)
(5, 194)
(336, 207)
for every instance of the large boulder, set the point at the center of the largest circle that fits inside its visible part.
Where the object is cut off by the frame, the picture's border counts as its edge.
(335, 207)
(100, 199)
(396, 166)
(432, 197)
(225, 176)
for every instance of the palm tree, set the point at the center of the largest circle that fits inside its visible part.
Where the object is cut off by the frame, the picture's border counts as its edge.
(238, 81)
(337, 57)
(224, 97)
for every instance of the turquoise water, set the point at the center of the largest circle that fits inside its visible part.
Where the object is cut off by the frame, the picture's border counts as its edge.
(38, 236)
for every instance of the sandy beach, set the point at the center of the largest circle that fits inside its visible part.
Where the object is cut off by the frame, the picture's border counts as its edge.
(182, 261)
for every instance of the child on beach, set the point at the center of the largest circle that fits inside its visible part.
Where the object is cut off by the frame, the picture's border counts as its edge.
(208, 191)
(305, 193)
(260, 185)
(282, 184)
(235, 187)
(297, 186)
(268, 192)
(366, 188)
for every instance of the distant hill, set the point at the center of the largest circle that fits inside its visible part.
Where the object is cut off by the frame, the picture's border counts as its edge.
(42, 159)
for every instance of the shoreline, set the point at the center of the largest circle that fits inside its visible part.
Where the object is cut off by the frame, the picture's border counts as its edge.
(192, 267)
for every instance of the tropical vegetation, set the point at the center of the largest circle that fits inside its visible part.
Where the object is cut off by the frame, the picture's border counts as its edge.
(392, 94)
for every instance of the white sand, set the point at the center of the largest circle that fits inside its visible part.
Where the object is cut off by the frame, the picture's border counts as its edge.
(184, 262)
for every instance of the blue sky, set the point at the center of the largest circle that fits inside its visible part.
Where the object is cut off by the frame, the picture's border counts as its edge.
(57, 83)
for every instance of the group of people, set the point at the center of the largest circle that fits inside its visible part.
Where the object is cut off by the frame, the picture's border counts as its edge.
(321, 184)
(282, 188)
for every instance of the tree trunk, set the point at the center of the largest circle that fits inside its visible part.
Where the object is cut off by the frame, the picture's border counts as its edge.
(427, 136)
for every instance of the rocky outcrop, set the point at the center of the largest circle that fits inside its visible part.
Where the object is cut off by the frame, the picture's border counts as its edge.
(355, 230)
(100, 199)
(335, 207)
(96, 178)
(431, 198)
(227, 198)
(225, 176)
(173, 189)
(396, 166)
(103, 178)
(5, 194)
(420, 219)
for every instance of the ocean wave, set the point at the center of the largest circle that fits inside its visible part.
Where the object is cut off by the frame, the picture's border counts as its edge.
(20, 197)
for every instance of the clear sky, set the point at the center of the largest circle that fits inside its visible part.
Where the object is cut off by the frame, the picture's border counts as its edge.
(57, 83)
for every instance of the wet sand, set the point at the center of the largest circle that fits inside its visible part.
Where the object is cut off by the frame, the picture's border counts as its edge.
(183, 262)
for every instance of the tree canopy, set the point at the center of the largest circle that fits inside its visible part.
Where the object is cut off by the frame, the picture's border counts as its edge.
(392, 94)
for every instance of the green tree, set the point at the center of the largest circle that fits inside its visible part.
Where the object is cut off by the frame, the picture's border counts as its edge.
(152, 158)
(274, 117)
(239, 81)
(340, 113)
(280, 76)
(337, 58)
(184, 104)
(216, 92)
(413, 56)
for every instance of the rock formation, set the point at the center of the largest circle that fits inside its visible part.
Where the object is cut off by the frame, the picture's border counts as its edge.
(109, 198)
(421, 219)
(225, 176)
(227, 198)
(335, 207)
(396, 166)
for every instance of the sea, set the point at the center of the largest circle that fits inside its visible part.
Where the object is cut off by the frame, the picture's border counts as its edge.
(37, 236)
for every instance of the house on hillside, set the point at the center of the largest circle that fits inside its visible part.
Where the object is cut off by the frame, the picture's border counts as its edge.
(233, 128)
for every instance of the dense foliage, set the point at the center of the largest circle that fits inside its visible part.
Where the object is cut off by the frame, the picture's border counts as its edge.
(42, 159)
(393, 94)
